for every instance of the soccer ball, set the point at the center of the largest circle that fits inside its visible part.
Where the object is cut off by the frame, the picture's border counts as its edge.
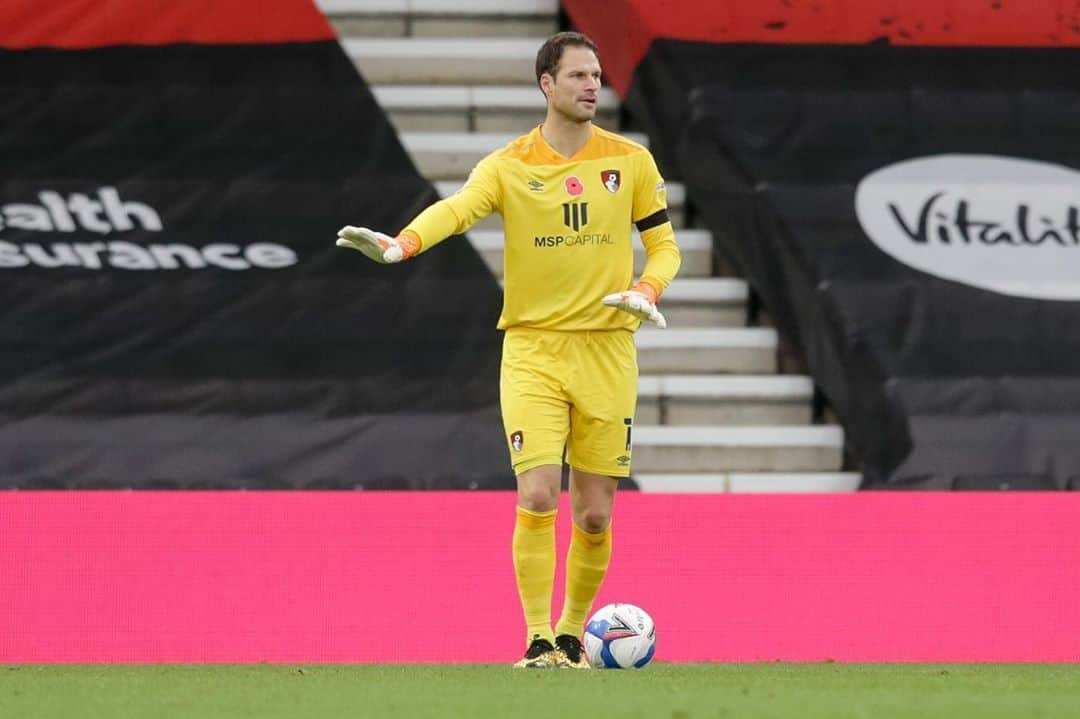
(620, 636)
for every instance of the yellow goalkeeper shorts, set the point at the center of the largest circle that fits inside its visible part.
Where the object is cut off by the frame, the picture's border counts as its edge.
(573, 390)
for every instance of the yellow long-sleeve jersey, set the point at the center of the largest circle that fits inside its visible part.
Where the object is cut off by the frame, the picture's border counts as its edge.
(568, 227)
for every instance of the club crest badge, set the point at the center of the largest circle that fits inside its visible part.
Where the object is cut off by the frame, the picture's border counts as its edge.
(517, 440)
(611, 179)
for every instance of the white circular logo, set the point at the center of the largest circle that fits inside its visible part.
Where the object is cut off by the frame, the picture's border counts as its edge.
(1003, 224)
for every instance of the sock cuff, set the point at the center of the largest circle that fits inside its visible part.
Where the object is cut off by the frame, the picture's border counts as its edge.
(591, 538)
(536, 520)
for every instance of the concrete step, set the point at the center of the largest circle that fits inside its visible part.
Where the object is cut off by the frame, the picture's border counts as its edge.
(684, 307)
(695, 245)
(724, 400)
(450, 18)
(451, 155)
(690, 449)
(745, 350)
(750, 482)
(444, 61)
(705, 302)
(476, 108)
(676, 195)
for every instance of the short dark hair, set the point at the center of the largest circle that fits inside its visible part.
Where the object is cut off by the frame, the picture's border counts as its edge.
(551, 52)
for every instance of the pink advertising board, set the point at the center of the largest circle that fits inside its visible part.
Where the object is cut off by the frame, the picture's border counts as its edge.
(426, 576)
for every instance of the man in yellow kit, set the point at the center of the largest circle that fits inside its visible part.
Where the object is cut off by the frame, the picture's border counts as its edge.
(568, 192)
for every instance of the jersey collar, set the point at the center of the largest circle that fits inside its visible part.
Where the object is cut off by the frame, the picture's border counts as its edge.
(550, 156)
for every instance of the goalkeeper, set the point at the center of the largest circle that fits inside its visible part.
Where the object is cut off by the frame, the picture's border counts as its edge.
(569, 193)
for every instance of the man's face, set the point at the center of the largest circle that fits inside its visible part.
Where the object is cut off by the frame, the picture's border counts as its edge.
(573, 92)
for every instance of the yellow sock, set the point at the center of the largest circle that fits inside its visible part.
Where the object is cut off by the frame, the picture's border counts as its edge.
(534, 566)
(586, 564)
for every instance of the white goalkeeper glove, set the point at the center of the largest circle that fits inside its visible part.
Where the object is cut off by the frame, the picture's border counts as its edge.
(384, 249)
(640, 301)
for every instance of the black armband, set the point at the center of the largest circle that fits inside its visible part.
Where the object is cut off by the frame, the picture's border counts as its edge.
(654, 220)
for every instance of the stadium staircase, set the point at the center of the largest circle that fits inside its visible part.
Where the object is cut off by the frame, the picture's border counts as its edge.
(715, 413)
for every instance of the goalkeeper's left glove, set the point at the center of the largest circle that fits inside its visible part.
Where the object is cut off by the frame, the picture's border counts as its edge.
(640, 301)
(384, 249)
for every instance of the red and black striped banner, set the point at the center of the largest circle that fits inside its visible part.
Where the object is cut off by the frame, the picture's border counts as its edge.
(897, 181)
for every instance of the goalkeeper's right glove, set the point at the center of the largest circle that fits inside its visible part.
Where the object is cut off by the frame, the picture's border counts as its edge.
(384, 249)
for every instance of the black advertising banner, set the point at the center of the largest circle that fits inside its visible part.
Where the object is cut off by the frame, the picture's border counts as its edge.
(910, 218)
(173, 311)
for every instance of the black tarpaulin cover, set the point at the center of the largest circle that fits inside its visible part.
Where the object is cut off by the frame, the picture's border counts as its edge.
(173, 311)
(948, 348)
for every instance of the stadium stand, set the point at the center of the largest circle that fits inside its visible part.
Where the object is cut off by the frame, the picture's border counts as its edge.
(259, 363)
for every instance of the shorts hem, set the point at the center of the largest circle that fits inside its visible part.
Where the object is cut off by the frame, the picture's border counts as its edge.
(525, 465)
(622, 473)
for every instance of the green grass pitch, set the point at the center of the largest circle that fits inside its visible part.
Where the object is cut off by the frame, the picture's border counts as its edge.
(670, 691)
